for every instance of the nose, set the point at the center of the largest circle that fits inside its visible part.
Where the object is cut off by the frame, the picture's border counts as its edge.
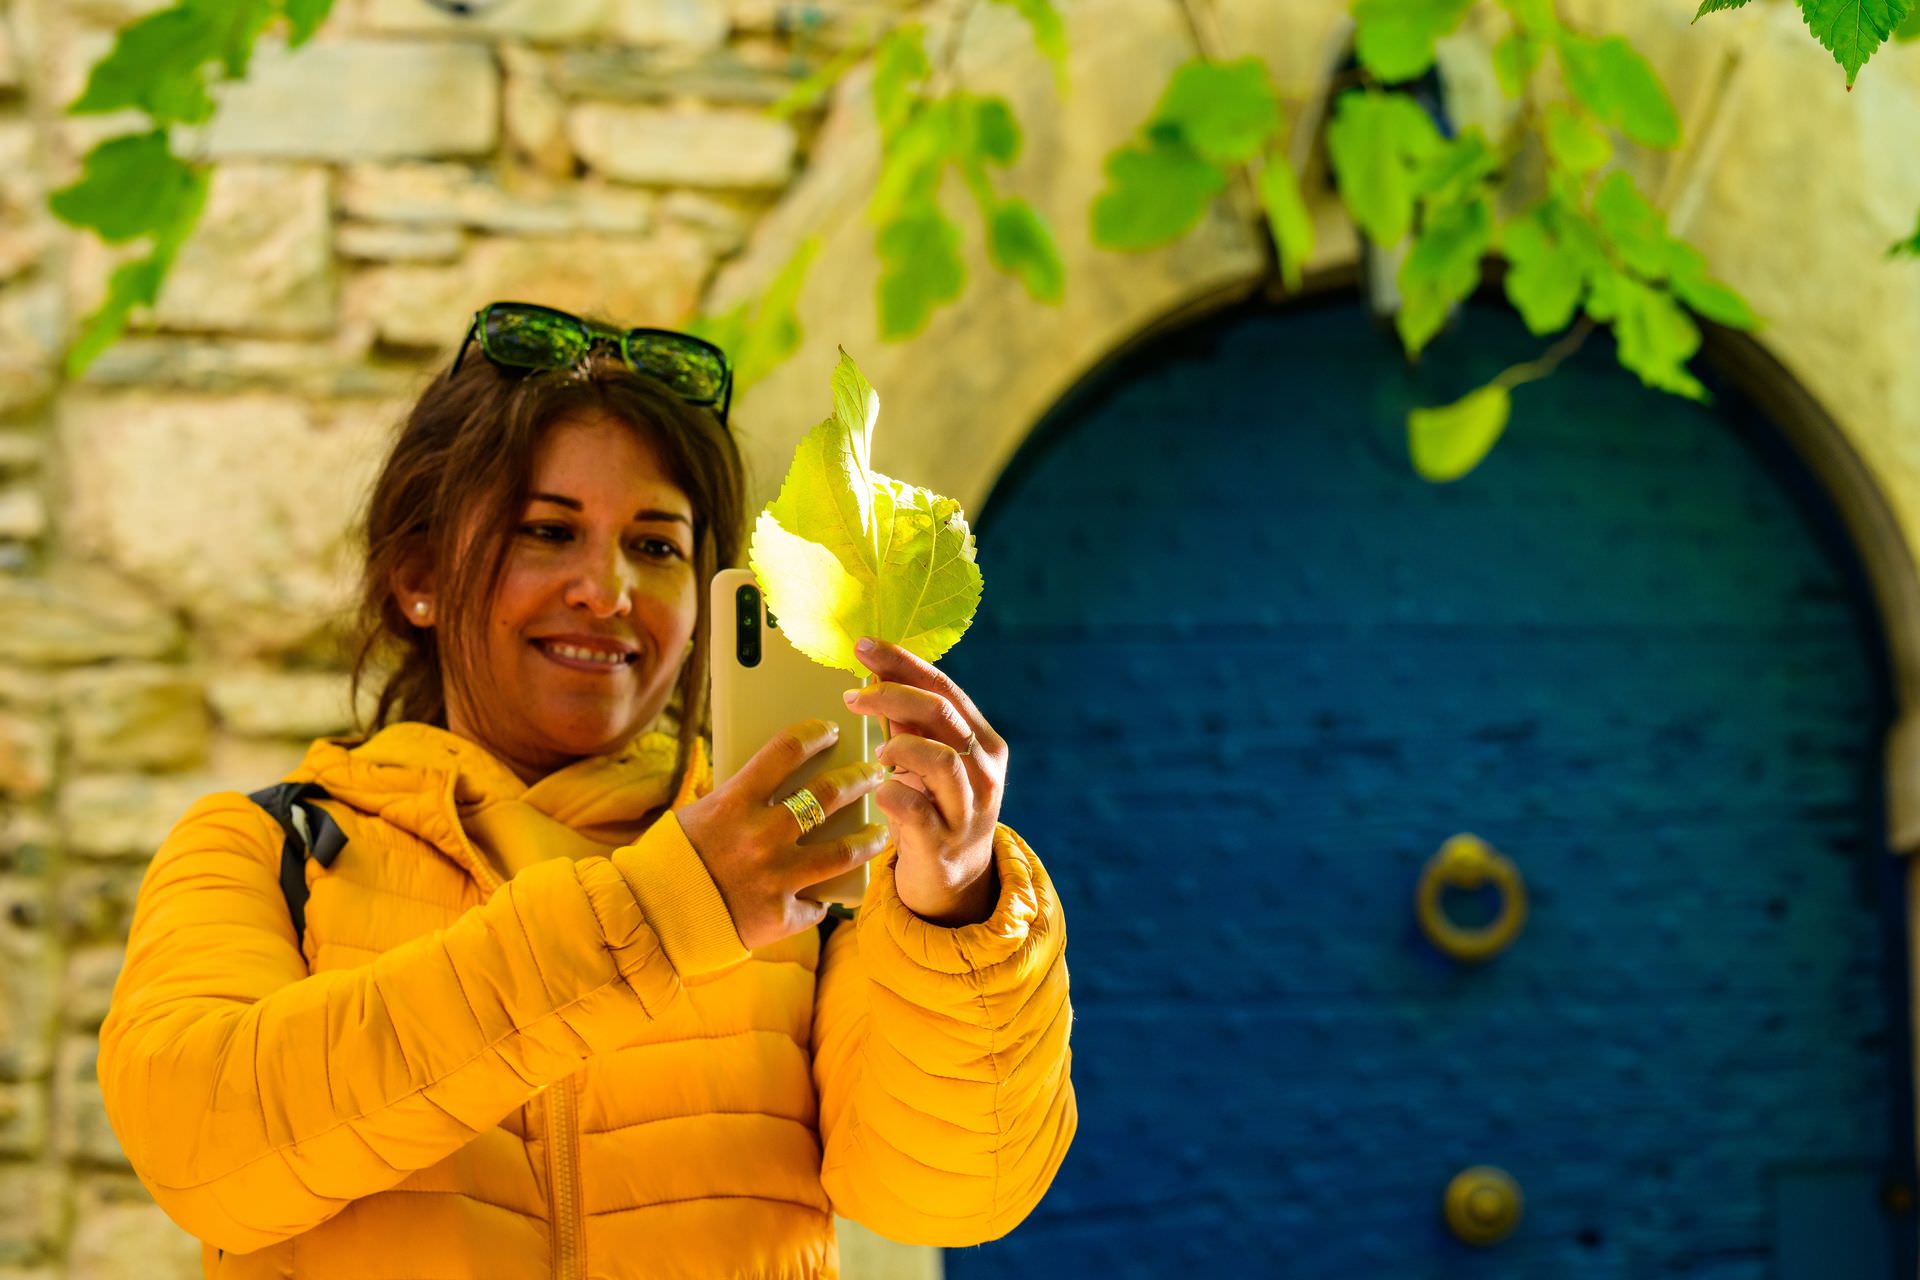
(603, 584)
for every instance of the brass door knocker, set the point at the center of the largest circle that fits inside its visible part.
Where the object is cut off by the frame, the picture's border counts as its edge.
(1467, 862)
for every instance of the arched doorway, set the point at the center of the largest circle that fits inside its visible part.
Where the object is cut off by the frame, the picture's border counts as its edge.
(1256, 672)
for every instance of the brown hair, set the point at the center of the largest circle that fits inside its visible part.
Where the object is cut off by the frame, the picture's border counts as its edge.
(464, 460)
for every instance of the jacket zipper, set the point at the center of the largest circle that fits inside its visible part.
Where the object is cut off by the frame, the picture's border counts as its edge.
(563, 1174)
(563, 1115)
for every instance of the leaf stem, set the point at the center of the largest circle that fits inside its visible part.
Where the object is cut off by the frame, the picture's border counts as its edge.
(1549, 360)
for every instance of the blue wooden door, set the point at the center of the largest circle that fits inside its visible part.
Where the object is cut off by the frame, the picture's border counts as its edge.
(1255, 672)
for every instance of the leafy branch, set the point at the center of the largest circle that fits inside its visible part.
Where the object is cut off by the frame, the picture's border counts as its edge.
(1586, 243)
(136, 186)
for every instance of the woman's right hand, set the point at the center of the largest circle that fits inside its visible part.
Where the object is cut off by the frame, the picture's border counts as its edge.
(750, 841)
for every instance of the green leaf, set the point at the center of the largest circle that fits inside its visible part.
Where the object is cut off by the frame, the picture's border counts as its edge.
(137, 283)
(920, 268)
(1225, 111)
(1688, 278)
(1536, 17)
(130, 186)
(1448, 441)
(1049, 34)
(844, 551)
(1573, 142)
(157, 66)
(1154, 194)
(1620, 87)
(304, 18)
(1654, 338)
(1443, 268)
(1287, 218)
(1577, 236)
(1852, 29)
(994, 132)
(1462, 163)
(1715, 6)
(917, 151)
(900, 69)
(1634, 227)
(238, 24)
(1514, 59)
(1910, 29)
(1375, 142)
(809, 92)
(1019, 242)
(1544, 275)
(1394, 38)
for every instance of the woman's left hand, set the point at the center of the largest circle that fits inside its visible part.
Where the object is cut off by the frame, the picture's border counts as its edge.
(942, 805)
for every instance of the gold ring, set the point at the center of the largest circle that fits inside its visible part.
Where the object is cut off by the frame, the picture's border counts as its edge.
(972, 739)
(805, 809)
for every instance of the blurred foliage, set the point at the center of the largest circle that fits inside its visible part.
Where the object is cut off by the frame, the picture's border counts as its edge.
(1583, 244)
(137, 186)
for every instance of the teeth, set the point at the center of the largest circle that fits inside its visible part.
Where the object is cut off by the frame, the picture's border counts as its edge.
(588, 655)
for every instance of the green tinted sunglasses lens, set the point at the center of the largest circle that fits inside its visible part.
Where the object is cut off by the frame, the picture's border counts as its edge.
(532, 338)
(694, 371)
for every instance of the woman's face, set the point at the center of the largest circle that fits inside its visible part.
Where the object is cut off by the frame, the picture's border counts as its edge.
(603, 553)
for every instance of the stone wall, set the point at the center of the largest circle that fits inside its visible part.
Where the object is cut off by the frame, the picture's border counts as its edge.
(172, 526)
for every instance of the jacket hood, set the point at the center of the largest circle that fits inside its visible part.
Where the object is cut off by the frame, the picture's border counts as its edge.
(426, 780)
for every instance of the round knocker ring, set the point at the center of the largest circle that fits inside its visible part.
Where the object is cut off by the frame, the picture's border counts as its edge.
(805, 809)
(1467, 862)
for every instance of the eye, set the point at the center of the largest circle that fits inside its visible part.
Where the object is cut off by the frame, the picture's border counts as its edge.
(667, 550)
(656, 548)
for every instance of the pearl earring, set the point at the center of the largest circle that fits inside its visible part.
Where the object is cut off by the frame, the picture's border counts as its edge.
(419, 608)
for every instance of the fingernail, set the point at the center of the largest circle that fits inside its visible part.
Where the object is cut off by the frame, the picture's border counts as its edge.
(850, 695)
(833, 730)
(865, 645)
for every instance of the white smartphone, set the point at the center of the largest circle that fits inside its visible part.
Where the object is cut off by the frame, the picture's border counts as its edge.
(762, 684)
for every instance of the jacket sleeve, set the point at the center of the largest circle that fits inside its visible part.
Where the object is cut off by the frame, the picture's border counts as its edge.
(942, 1061)
(255, 1101)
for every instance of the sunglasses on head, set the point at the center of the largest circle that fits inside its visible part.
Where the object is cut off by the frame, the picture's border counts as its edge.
(524, 335)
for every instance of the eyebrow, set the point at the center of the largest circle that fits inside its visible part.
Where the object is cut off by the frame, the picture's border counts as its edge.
(645, 513)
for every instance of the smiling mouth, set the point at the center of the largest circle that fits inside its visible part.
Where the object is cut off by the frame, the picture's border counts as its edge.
(589, 665)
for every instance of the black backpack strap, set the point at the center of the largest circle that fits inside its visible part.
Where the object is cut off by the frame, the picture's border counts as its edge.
(309, 832)
(835, 914)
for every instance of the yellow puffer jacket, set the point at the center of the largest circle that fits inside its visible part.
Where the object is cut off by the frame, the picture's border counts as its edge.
(543, 1050)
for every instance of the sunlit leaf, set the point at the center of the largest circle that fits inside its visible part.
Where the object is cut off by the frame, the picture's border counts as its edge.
(846, 552)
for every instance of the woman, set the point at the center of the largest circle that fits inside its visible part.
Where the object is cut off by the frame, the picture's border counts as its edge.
(556, 1009)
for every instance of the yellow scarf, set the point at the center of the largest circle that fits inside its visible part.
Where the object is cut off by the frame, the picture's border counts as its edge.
(591, 807)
